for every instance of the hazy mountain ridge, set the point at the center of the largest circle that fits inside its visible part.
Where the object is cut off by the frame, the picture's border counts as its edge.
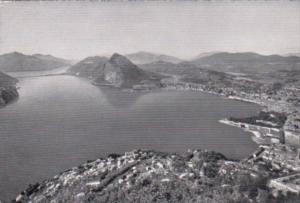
(182, 69)
(52, 58)
(293, 54)
(227, 57)
(15, 61)
(147, 57)
(247, 62)
(168, 67)
(204, 54)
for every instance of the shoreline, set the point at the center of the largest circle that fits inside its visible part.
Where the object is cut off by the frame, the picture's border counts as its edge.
(256, 135)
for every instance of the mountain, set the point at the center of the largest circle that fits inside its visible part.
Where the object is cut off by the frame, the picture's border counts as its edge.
(15, 61)
(146, 57)
(117, 71)
(121, 72)
(89, 67)
(52, 58)
(168, 67)
(189, 72)
(247, 62)
(205, 54)
(293, 54)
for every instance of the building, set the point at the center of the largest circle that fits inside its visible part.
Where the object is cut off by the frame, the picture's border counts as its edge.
(290, 183)
(292, 138)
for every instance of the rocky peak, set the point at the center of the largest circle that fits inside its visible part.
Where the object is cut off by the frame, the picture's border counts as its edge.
(120, 60)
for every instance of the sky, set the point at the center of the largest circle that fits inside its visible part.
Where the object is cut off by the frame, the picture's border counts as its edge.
(75, 30)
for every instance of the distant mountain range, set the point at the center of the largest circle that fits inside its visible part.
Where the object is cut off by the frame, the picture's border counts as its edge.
(146, 57)
(15, 61)
(189, 72)
(205, 54)
(117, 71)
(247, 62)
(49, 57)
(168, 67)
(121, 72)
(293, 54)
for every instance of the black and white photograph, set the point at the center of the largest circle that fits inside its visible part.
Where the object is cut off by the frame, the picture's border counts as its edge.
(136, 101)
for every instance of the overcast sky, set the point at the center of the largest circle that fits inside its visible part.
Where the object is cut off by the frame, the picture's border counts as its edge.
(78, 29)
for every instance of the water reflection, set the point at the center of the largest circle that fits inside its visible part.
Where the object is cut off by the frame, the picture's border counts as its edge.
(120, 99)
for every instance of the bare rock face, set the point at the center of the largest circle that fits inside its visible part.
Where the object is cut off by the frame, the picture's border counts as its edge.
(121, 72)
(112, 75)
(121, 61)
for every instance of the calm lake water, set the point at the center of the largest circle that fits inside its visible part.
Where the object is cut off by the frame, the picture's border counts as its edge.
(62, 121)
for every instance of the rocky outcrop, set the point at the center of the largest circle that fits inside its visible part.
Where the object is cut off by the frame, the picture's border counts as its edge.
(8, 95)
(8, 90)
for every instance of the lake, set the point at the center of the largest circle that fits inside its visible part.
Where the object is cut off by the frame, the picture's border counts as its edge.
(62, 121)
